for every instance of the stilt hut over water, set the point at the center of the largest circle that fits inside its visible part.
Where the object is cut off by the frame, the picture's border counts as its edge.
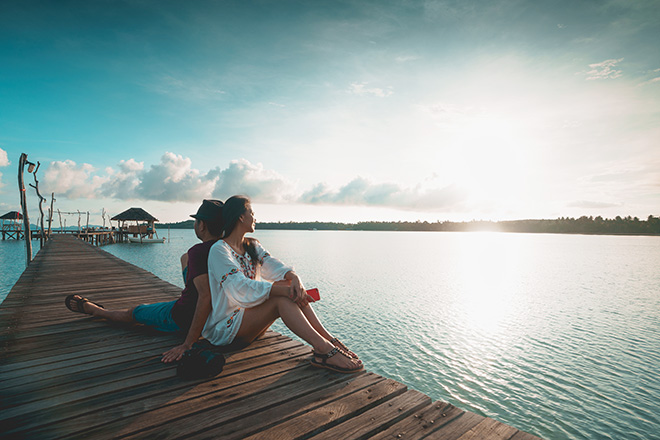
(12, 226)
(143, 230)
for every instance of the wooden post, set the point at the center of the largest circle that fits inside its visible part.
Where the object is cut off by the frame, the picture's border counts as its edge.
(50, 217)
(26, 221)
(41, 201)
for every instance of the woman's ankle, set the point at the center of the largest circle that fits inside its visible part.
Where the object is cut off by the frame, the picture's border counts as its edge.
(324, 347)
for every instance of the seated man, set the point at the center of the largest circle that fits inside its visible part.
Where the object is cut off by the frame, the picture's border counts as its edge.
(189, 312)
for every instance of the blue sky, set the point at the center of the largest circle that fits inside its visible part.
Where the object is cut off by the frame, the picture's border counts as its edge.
(335, 110)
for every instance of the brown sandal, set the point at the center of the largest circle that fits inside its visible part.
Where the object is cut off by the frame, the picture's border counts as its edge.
(340, 345)
(78, 304)
(324, 362)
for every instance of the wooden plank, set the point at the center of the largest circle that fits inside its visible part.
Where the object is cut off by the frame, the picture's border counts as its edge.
(106, 381)
(98, 409)
(261, 421)
(423, 423)
(489, 428)
(375, 420)
(226, 404)
(458, 426)
(334, 412)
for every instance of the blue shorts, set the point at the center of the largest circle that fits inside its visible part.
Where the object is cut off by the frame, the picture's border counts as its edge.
(157, 315)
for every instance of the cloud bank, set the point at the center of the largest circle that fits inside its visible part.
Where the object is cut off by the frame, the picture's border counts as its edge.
(174, 179)
(362, 192)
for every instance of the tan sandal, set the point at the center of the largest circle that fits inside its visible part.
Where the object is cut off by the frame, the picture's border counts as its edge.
(340, 345)
(324, 362)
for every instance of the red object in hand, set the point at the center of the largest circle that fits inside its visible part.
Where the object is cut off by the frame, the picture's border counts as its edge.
(314, 293)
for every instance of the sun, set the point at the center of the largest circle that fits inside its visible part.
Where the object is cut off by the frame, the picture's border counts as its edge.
(493, 160)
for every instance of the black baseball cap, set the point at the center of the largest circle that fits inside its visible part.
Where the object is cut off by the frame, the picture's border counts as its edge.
(209, 210)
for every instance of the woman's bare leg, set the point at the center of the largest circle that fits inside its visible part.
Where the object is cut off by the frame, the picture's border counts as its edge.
(310, 315)
(256, 319)
(315, 322)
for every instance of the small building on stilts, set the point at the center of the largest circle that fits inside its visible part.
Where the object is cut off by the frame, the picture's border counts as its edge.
(143, 231)
(12, 226)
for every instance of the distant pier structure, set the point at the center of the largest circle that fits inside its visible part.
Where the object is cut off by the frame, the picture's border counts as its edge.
(142, 231)
(12, 227)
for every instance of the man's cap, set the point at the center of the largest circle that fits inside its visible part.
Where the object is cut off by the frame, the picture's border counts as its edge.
(209, 210)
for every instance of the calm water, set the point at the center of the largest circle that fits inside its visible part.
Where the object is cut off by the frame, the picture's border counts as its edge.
(558, 335)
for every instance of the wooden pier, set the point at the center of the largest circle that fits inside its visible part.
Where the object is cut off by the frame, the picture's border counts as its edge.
(65, 374)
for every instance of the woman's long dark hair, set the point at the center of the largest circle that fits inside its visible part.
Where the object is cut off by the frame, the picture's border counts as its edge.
(233, 209)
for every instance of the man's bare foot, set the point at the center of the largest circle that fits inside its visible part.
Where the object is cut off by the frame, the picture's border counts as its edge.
(77, 303)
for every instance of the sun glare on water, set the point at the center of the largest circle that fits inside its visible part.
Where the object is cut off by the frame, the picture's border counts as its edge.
(488, 277)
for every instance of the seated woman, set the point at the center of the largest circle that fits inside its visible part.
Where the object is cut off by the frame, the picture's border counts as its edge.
(245, 306)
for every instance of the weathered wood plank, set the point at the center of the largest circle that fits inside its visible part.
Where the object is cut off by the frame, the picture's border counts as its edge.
(255, 423)
(334, 412)
(423, 423)
(375, 420)
(160, 389)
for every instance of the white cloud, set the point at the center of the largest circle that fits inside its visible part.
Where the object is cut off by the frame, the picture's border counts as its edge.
(362, 192)
(362, 90)
(131, 165)
(243, 177)
(191, 89)
(71, 180)
(406, 58)
(604, 70)
(172, 179)
(4, 161)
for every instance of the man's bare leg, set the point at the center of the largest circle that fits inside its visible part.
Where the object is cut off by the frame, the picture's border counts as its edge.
(125, 315)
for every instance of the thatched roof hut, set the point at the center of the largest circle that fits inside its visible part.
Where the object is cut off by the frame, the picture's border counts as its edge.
(135, 214)
(140, 217)
(12, 215)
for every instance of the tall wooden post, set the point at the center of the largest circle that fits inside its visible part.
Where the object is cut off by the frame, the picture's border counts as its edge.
(41, 201)
(26, 221)
(50, 217)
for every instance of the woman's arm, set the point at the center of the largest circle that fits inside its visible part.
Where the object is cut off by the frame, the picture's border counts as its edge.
(296, 289)
(202, 310)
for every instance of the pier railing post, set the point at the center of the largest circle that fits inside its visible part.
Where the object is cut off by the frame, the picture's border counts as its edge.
(26, 221)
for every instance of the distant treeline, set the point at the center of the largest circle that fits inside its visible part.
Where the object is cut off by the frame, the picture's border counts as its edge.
(562, 225)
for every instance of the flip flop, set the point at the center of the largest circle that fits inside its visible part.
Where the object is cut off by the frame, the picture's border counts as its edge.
(78, 303)
(324, 362)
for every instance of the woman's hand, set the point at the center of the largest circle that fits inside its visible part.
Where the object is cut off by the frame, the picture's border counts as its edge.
(297, 291)
(176, 353)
